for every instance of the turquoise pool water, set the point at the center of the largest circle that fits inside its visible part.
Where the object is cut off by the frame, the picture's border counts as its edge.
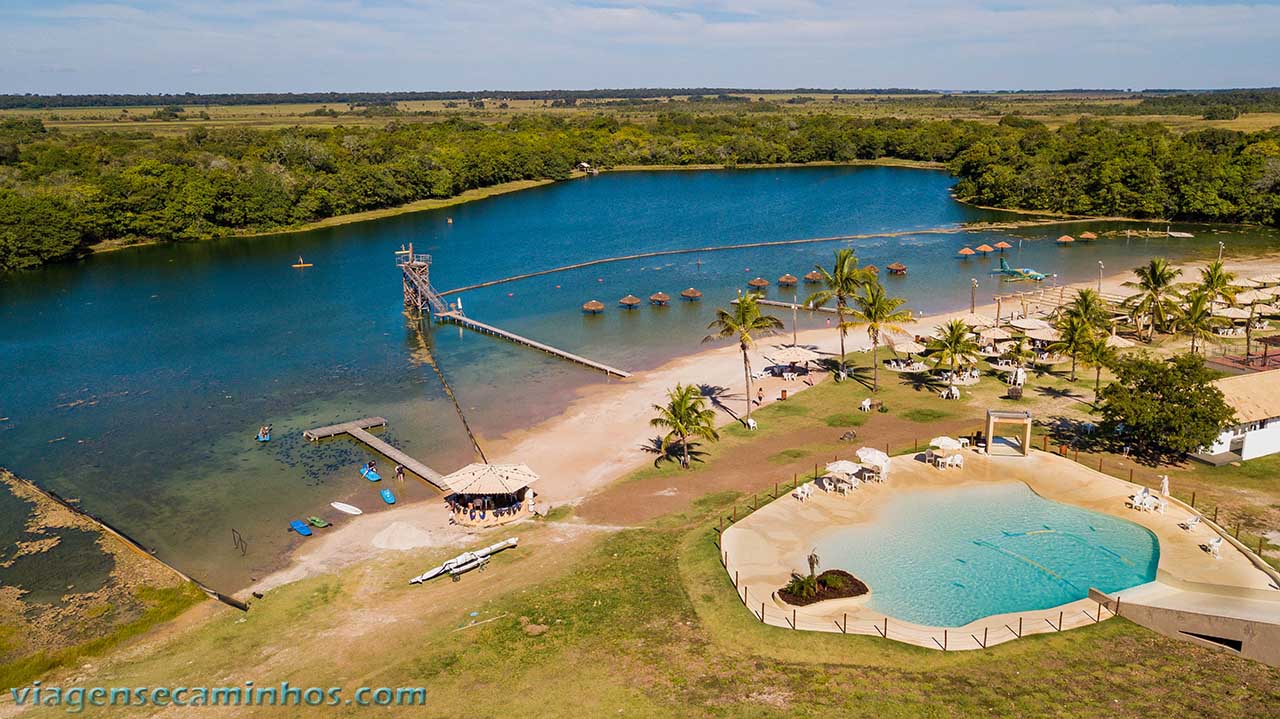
(946, 558)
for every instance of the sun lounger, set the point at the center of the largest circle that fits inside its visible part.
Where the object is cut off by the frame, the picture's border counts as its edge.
(1191, 524)
(1214, 545)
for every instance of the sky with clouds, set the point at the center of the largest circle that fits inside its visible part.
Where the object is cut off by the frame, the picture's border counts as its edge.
(59, 46)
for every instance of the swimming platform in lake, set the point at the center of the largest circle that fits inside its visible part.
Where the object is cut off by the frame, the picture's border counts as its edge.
(359, 429)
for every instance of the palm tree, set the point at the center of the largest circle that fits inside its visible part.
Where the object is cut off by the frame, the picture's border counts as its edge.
(1019, 352)
(746, 324)
(953, 343)
(1074, 334)
(839, 283)
(1089, 306)
(1098, 354)
(814, 562)
(1154, 299)
(880, 313)
(1196, 319)
(685, 415)
(1215, 282)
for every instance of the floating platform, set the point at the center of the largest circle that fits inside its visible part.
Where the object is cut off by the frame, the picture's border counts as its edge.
(359, 429)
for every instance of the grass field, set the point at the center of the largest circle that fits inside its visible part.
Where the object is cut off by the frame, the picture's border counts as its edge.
(1054, 109)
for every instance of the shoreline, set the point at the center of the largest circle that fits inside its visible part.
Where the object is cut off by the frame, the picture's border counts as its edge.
(593, 443)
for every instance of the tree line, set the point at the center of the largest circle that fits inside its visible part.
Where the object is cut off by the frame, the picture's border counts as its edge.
(61, 193)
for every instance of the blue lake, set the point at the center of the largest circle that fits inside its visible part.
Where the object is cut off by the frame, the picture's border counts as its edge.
(134, 380)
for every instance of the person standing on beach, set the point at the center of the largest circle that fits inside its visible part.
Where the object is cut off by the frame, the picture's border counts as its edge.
(759, 396)
(400, 472)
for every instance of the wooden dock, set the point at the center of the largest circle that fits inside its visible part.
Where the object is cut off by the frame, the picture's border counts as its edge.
(359, 429)
(790, 305)
(461, 319)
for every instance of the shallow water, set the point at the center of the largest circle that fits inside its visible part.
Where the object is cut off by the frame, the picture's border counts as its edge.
(947, 557)
(135, 380)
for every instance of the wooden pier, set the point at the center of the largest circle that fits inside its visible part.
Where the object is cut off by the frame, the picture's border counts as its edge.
(791, 306)
(464, 321)
(359, 429)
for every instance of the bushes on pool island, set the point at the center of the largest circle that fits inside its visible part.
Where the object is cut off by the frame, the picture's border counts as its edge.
(806, 589)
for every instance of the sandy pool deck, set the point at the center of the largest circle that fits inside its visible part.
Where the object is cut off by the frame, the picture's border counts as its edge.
(762, 550)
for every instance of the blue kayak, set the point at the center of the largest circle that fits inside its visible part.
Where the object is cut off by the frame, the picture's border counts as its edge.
(388, 497)
(300, 527)
(264, 438)
(369, 474)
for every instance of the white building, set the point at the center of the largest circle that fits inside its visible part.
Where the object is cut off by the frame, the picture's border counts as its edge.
(1256, 399)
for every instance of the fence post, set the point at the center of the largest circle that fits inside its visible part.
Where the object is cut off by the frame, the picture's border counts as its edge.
(1099, 464)
(1059, 621)
(944, 640)
(1131, 475)
(1117, 609)
(915, 446)
(793, 619)
(1260, 540)
(845, 630)
(725, 559)
(753, 502)
(775, 490)
(1077, 457)
(1019, 627)
(1193, 499)
(1044, 446)
(1237, 531)
(1215, 515)
(735, 579)
(886, 627)
(984, 637)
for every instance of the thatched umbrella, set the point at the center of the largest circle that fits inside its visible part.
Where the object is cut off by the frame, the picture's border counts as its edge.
(1002, 246)
(490, 479)
(1065, 239)
(659, 298)
(985, 248)
(758, 283)
(787, 280)
(691, 294)
(593, 306)
(871, 269)
(1119, 343)
(630, 302)
(1088, 236)
(966, 251)
(813, 276)
(897, 268)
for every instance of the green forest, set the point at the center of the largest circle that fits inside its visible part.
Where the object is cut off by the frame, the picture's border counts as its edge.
(61, 193)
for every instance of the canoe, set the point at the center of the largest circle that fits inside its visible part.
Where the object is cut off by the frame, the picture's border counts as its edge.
(300, 527)
(470, 560)
(388, 497)
(317, 522)
(370, 475)
(345, 508)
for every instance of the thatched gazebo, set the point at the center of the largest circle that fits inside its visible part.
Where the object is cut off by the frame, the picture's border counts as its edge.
(691, 295)
(897, 268)
(489, 494)
(593, 307)
(813, 276)
(788, 280)
(758, 283)
(630, 302)
(659, 298)
(871, 269)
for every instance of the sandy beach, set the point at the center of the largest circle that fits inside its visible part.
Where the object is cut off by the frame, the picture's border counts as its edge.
(597, 439)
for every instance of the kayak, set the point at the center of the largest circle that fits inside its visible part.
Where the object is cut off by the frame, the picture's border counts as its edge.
(369, 474)
(465, 562)
(300, 528)
(345, 508)
(388, 497)
(264, 438)
(317, 522)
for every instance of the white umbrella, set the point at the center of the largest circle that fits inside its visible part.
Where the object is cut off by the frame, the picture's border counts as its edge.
(905, 345)
(871, 455)
(844, 466)
(944, 443)
(790, 354)
(1232, 313)
(1030, 323)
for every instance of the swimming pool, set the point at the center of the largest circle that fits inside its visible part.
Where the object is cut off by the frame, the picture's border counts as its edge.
(947, 557)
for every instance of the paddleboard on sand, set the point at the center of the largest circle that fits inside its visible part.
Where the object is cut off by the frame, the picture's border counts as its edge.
(300, 527)
(345, 508)
(370, 475)
(388, 497)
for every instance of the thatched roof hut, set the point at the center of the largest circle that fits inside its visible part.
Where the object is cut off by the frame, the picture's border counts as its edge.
(897, 268)
(813, 276)
(659, 298)
(691, 294)
(788, 280)
(758, 282)
(630, 302)
(593, 306)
